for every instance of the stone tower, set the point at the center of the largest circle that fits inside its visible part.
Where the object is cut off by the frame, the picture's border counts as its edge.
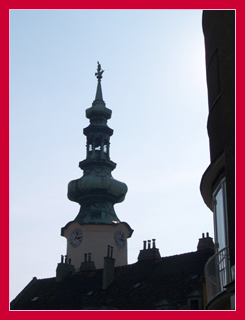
(97, 227)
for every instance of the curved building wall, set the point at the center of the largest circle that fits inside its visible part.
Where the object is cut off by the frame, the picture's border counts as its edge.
(219, 35)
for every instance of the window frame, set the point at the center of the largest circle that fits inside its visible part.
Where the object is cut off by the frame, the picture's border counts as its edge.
(222, 258)
(220, 185)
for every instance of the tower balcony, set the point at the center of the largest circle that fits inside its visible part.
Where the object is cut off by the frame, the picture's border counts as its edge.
(220, 281)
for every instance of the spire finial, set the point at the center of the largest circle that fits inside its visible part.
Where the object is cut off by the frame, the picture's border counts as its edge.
(99, 72)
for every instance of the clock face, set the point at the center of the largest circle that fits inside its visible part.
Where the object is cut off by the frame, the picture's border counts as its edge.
(120, 239)
(76, 238)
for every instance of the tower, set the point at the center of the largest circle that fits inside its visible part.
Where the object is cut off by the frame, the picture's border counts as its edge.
(97, 228)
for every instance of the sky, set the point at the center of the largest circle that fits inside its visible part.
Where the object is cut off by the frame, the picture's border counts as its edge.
(155, 84)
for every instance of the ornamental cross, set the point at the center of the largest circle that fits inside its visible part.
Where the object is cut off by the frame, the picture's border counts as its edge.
(99, 71)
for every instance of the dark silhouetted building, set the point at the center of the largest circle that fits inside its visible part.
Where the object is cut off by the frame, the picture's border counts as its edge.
(218, 181)
(153, 283)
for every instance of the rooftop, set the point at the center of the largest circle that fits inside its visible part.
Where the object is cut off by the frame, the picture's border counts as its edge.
(146, 285)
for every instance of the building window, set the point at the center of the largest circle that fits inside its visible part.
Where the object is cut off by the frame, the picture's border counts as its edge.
(222, 263)
(194, 301)
(220, 219)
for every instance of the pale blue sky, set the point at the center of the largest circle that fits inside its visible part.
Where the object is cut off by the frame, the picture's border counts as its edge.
(154, 83)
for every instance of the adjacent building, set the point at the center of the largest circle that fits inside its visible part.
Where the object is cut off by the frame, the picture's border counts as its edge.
(152, 283)
(218, 181)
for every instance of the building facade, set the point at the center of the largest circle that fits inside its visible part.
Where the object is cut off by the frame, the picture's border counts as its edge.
(218, 181)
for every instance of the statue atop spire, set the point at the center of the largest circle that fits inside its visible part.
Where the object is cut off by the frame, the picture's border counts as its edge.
(99, 72)
(98, 96)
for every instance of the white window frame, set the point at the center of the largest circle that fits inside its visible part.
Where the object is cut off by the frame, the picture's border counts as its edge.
(221, 185)
(222, 259)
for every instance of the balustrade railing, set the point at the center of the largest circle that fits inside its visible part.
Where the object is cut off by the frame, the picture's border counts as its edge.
(217, 273)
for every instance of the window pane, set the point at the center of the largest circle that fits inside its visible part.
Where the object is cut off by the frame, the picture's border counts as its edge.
(220, 222)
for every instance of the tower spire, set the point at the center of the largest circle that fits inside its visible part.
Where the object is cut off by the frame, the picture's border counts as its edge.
(96, 191)
(98, 75)
(97, 225)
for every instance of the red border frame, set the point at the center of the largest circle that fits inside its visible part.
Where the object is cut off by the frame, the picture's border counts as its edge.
(5, 141)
